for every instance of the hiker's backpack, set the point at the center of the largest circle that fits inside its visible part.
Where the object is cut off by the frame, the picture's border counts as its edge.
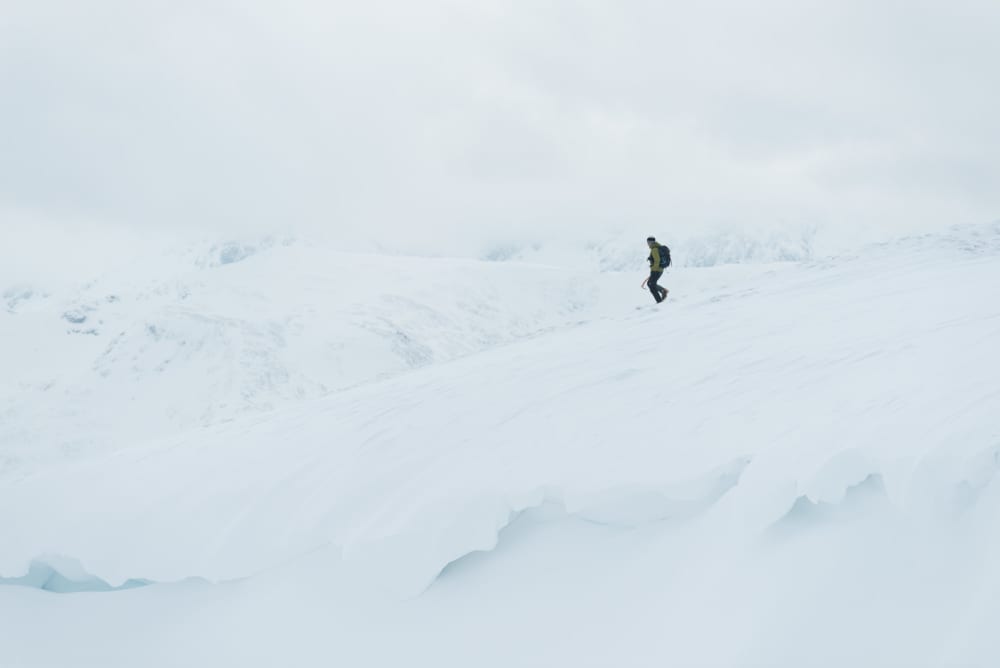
(664, 257)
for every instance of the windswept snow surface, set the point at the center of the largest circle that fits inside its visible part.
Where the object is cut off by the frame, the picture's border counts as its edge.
(198, 337)
(787, 464)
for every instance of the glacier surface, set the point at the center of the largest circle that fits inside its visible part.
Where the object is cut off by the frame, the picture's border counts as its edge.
(506, 463)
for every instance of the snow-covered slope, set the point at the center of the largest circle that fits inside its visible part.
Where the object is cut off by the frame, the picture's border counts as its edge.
(788, 464)
(198, 337)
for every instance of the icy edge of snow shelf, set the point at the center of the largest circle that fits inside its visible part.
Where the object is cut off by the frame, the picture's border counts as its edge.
(63, 575)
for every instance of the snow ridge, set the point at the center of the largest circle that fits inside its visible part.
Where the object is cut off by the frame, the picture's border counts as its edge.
(820, 435)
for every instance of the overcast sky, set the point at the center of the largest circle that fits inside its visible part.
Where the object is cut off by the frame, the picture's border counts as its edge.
(437, 119)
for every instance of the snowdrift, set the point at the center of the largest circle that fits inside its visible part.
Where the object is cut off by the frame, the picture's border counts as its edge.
(784, 464)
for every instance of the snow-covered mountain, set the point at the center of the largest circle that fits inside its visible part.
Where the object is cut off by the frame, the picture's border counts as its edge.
(307, 458)
(201, 336)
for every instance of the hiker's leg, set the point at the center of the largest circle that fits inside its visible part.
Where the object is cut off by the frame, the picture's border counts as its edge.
(653, 287)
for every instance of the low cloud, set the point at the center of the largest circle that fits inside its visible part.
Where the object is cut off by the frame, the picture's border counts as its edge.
(450, 123)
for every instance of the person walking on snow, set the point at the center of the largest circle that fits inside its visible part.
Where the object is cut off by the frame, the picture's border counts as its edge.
(659, 259)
